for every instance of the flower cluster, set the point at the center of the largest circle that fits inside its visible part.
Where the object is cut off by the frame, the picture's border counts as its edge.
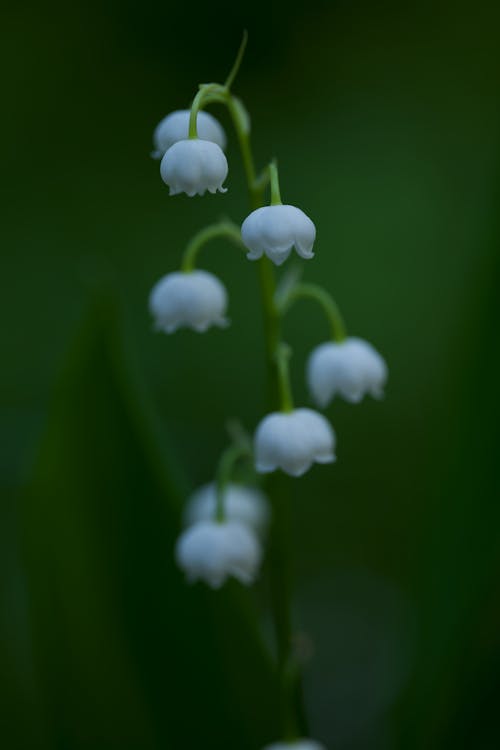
(226, 523)
(291, 439)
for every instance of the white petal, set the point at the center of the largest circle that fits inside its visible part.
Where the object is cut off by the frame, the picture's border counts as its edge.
(304, 234)
(175, 127)
(254, 254)
(213, 551)
(279, 256)
(351, 368)
(275, 230)
(247, 505)
(195, 300)
(293, 441)
(194, 166)
(264, 466)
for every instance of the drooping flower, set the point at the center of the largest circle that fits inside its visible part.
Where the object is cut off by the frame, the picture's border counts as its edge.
(300, 744)
(175, 127)
(350, 368)
(195, 300)
(293, 441)
(247, 505)
(212, 551)
(194, 166)
(274, 230)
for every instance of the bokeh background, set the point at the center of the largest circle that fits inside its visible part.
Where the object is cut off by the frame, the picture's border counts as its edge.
(385, 119)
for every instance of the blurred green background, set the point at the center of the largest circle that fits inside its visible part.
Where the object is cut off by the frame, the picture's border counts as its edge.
(385, 119)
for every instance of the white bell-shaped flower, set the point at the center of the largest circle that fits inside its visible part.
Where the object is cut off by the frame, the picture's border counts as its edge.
(194, 166)
(212, 551)
(188, 300)
(274, 230)
(350, 368)
(175, 127)
(301, 744)
(247, 505)
(293, 441)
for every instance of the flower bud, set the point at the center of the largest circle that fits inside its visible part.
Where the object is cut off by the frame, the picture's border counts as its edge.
(274, 230)
(175, 127)
(195, 300)
(194, 166)
(293, 442)
(247, 505)
(211, 551)
(350, 368)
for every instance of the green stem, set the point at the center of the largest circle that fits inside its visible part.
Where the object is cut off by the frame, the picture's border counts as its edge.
(236, 65)
(279, 556)
(193, 115)
(323, 298)
(275, 184)
(272, 329)
(207, 94)
(282, 355)
(279, 551)
(224, 473)
(293, 712)
(226, 229)
(256, 186)
(256, 193)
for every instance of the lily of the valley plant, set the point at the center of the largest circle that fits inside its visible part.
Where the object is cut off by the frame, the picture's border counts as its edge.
(227, 525)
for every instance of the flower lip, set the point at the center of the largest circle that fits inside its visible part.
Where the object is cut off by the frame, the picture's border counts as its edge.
(175, 127)
(193, 166)
(275, 230)
(211, 551)
(350, 368)
(196, 300)
(293, 442)
(247, 505)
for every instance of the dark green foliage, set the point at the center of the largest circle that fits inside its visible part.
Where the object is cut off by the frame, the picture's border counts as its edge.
(126, 654)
